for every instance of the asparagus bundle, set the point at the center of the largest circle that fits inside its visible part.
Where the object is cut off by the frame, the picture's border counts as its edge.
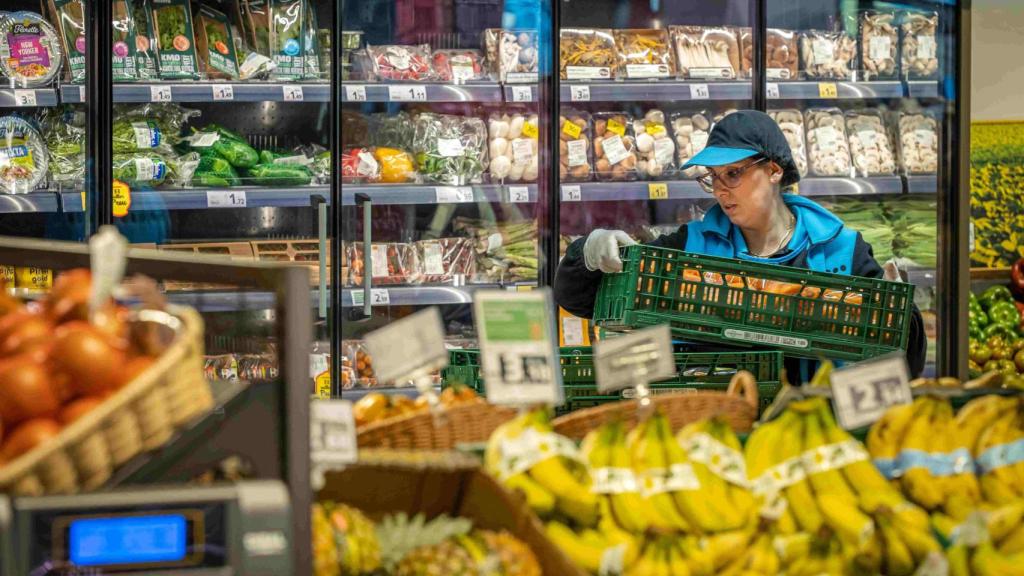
(505, 252)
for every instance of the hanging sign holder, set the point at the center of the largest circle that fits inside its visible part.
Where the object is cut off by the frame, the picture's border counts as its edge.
(635, 360)
(411, 350)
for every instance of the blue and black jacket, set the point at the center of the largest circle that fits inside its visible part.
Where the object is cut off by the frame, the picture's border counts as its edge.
(820, 242)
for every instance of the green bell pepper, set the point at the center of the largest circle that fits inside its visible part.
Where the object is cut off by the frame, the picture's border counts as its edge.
(979, 317)
(1002, 312)
(1007, 331)
(995, 294)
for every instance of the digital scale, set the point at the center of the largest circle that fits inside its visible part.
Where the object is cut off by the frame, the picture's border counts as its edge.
(231, 530)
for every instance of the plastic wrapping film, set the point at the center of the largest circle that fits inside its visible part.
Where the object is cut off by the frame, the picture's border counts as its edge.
(512, 145)
(391, 130)
(937, 463)
(587, 54)
(782, 54)
(879, 40)
(614, 146)
(706, 53)
(827, 55)
(828, 151)
(644, 53)
(357, 129)
(356, 365)
(871, 146)
(458, 66)
(359, 166)
(392, 263)
(30, 50)
(24, 158)
(450, 149)
(401, 63)
(919, 143)
(791, 122)
(656, 148)
(691, 131)
(511, 55)
(445, 259)
(919, 54)
(574, 146)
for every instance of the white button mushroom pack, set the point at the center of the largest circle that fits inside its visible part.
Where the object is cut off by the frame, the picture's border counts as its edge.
(657, 150)
(919, 143)
(828, 150)
(513, 146)
(870, 143)
(691, 131)
(791, 122)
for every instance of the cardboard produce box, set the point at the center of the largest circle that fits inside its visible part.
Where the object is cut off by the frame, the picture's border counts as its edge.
(456, 486)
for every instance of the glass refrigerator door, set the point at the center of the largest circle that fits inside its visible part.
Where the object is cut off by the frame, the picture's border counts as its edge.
(444, 161)
(42, 137)
(867, 108)
(642, 82)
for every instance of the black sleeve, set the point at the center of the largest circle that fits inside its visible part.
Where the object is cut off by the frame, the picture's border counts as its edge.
(865, 265)
(576, 287)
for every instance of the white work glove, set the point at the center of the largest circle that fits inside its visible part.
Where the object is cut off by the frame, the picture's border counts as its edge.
(601, 250)
(891, 272)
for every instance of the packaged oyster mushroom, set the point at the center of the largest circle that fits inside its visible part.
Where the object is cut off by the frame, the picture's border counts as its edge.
(586, 53)
(614, 146)
(518, 57)
(870, 143)
(919, 53)
(691, 130)
(827, 55)
(919, 143)
(30, 49)
(791, 122)
(782, 54)
(655, 147)
(878, 43)
(706, 53)
(644, 53)
(574, 139)
(828, 152)
(513, 146)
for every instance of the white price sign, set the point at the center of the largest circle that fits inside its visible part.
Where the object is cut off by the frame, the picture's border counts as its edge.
(159, 93)
(699, 92)
(640, 357)
(407, 93)
(571, 193)
(332, 437)
(862, 392)
(518, 194)
(518, 347)
(407, 348)
(225, 199)
(223, 92)
(296, 94)
(81, 94)
(522, 94)
(453, 194)
(378, 297)
(352, 93)
(772, 90)
(24, 97)
(579, 93)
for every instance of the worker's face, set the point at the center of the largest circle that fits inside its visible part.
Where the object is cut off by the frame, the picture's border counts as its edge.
(748, 203)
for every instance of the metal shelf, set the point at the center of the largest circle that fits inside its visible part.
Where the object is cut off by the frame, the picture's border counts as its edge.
(354, 92)
(819, 90)
(663, 90)
(923, 88)
(209, 92)
(392, 194)
(356, 394)
(32, 202)
(230, 300)
(198, 198)
(27, 97)
(613, 191)
(923, 277)
(926, 184)
(422, 295)
(851, 186)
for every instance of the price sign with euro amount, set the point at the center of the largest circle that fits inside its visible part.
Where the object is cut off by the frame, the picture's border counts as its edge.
(409, 348)
(518, 352)
(862, 392)
(635, 359)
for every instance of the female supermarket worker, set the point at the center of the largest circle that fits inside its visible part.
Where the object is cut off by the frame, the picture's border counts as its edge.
(749, 164)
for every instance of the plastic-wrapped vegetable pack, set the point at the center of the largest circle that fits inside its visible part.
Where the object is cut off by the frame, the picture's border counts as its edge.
(919, 143)
(359, 166)
(391, 131)
(149, 128)
(513, 146)
(24, 158)
(827, 55)
(445, 258)
(870, 143)
(575, 137)
(614, 146)
(878, 42)
(391, 263)
(450, 149)
(402, 63)
(656, 149)
(215, 139)
(141, 169)
(644, 53)
(511, 56)
(704, 52)
(691, 131)
(919, 48)
(828, 148)
(586, 53)
(458, 66)
(30, 49)
(64, 130)
(782, 54)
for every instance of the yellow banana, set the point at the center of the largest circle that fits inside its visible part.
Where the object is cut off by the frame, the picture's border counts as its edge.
(959, 561)
(1000, 484)
(987, 561)
(713, 488)
(827, 481)
(703, 506)
(978, 414)
(764, 560)
(845, 519)
(898, 559)
(724, 547)
(1001, 521)
(962, 490)
(572, 498)
(739, 495)
(675, 560)
(538, 498)
(920, 543)
(584, 555)
(792, 547)
(627, 509)
(1012, 542)
(917, 481)
(648, 456)
(799, 496)
(886, 435)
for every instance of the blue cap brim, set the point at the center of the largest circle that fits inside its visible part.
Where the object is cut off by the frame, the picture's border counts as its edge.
(719, 156)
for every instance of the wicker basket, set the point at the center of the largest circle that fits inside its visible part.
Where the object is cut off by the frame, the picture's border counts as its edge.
(460, 424)
(737, 405)
(141, 416)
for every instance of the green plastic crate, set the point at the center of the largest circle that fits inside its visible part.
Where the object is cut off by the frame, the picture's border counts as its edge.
(692, 294)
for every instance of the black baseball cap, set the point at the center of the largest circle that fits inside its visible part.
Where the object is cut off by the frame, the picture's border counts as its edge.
(744, 134)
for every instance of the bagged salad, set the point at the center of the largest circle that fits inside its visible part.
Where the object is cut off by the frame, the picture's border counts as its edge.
(24, 158)
(215, 44)
(175, 39)
(30, 49)
(149, 127)
(286, 38)
(145, 42)
(141, 169)
(122, 53)
(450, 149)
(64, 131)
(71, 20)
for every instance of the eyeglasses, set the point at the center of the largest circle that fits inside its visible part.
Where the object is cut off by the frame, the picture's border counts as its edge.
(729, 178)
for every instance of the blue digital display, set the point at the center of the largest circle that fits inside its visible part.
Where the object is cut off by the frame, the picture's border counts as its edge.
(127, 540)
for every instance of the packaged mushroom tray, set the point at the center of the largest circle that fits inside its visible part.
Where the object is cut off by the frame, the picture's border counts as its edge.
(586, 54)
(691, 131)
(706, 53)
(827, 55)
(574, 138)
(870, 143)
(654, 146)
(782, 54)
(791, 122)
(878, 43)
(919, 52)
(644, 53)
(828, 152)
(513, 146)
(614, 146)
(512, 55)
(919, 143)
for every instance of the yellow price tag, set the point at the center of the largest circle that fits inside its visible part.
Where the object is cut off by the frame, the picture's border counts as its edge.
(828, 90)
(122, 199)
(33, 278)
(654, 128)
(524, 287)
(83, 200)
(530, 130)
(7, 275)
(616, 128)
(323, 385)
(571, 129)
(657, 191)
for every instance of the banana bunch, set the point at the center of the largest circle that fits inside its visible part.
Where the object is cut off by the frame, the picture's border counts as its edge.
(983, 560)
(523, 454)
(717, 459)
(603, 550)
